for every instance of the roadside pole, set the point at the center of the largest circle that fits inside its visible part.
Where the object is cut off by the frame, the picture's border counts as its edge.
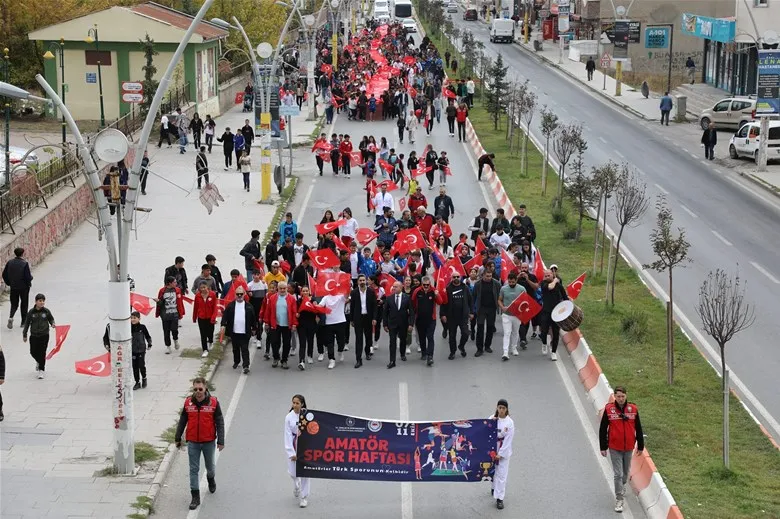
(618, 77)
(762, 143)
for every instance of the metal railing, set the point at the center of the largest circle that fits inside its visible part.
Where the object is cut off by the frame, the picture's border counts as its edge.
(175, 98)
(130, 122)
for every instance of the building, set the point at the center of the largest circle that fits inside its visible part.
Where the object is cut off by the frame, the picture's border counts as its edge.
(121, 57)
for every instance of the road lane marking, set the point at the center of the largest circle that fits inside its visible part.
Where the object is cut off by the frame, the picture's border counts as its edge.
(662, 190)
(721, 238)
(686, 150)
(620, 154)
(602, 139)
(306, 198)
(688, 211)
(407, 511)
(765, 272)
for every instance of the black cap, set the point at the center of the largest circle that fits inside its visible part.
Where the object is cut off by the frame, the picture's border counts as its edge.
(503, 402)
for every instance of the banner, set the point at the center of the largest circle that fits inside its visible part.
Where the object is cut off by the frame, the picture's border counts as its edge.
(335, 446)
(768, 101)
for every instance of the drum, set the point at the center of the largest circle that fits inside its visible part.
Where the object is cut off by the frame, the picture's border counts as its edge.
(567, 315)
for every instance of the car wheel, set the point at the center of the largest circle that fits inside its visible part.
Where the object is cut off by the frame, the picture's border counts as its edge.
(733, 152)
(741, 124)
(704, 123)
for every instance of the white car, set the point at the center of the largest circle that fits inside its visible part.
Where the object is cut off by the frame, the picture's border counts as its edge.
(746, 141)
(382, 18)
(452, 7)
(16, 157)
(410, 25)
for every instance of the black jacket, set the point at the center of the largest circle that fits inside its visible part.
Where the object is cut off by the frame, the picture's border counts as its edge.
(551, 297)
(249, 134)
(443, 206)
(250, 250)
(459, 303)
(16, 274)
(300, 276)
(271, 253)
(38, 322)
(250, 316)
(478, 293)
(526, 231)
(141, 340)
(217, 275)
(2, 367)
(181, 278)
(479, 225)
(395, 317)
(227, 142)
(355, 308)
(502, 221)
(709, 137)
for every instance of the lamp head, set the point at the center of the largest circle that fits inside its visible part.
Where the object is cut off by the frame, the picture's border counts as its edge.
(48, 55)
(89, 39)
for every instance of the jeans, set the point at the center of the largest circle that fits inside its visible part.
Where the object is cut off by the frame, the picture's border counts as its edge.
(17, 297)
(621, 464)
(194, 450)
(461, 131)
(38, 346)
(182, 140)
(196, 140)
(425, 331)
(709, 152)
(170, 328)
(209, 140)
(665, 116)
(246, 180)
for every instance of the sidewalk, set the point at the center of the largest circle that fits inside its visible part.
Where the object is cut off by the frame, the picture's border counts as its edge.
(58, 432)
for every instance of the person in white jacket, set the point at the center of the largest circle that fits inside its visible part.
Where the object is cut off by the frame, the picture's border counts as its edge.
(349, 229)
(505, 428)
(301, 489)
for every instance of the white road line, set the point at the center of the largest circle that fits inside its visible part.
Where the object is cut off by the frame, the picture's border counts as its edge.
(694, 215)
(602, 139)
(700, 160)
(721, 238)
(686, 150)
(590, 433)
(407, 510)
(306, 198)
(620, 154)
(662, 190)
(765, 272)
(231, 413)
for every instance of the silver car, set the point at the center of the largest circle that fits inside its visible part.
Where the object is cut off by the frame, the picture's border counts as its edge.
(16, 157)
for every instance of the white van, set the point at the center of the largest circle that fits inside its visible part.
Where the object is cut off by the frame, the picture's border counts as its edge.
(381, 5)
(745, 142)
(381, 12)
(502, 30)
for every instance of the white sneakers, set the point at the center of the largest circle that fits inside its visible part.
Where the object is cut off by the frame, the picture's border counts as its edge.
(408, 350)
(331, 364)
(204, 354)
(40, 375)
(346, 347)
(309, 360)
(167, 350)
(341, 357)
(301, 366)
(514, 351)
(176, 344)
(619, 505)
(320, 357)
(419, 350)
(303, 503)
(544, 349)
(553, 356)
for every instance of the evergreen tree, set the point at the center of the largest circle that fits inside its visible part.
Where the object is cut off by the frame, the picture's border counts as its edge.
(150, 84)
(497, 91)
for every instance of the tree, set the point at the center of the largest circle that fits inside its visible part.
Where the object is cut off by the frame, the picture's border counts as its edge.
(580, 189)
(630, 205)
(496, 97)
(567, 141)
(150, 84)
(671, 251)
(469, 53)
(605, 178)
(527, 113)
(484, 63)
(724, 313)
(549, 127)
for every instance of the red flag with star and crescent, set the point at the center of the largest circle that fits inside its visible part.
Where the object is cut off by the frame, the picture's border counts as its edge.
(409, 240)
(364, 236)
(340, 245)
(473, 263)
(231, 295)
(524, 307)
(97, 367)
(574, 288)
(325, 228)
(402, 204)
(312, 284)
(333, 283)
(61, 333)
(141, 303)
(389, 184)
(506, 265)
(308, 306)
(323, 258)
(538, 266)
(386, 282)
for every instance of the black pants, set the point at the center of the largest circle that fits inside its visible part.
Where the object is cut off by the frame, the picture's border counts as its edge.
(228, 158)
(429, 126)
(299, 100)
(19, 299)
(451, 124)
(398, 335)
(164, 135)
(206, 329)
(240, 348)
(170, 328)
(306, 334)
(139, 366)
(429, 176)
(590, 75)
(425, 331)
(204, 176)
(709, 151)
(321, 337)
(280, 339)
(347, 327)
(38, 346)
(334, 333)
(453, 326)
(378, 327)
(238, 152)
(461, 131)
(196, 140)
(471, 100)
(320, 163)
(209, 140)
(363, 335)
(665, 117)
(485, 316)
(345, 163)
(144, 176)
(401, 133)
(334, 162)
(547, 325)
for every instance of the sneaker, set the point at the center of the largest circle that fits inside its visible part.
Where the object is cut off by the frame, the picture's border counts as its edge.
(143, 383)
(285, 366)
(259, 345)
(515, 352)
(235, 365)
(524, 345)
(167, 350)
(275, 364)
(195, 503)
(137, 386)
(301, 366)
(293, 352)
(267, 356)
(418, 350)
(10, 324)
(451, 356)
(246, 371)
(204, 354)
(309, 360)
(303, 503)
(320, 357)
(619, 506)
(553, 356)
(341, 357)
(488, 350)
(505, 358)
(544, 349)
(176, 344)
(500, 504)
(331, 364)
(40, 375)
(408, 350)
(534, 335)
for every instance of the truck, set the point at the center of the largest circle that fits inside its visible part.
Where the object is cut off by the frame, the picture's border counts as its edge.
(502, 30)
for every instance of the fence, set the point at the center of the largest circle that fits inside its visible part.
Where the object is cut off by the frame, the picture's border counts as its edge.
(15, 203)
(175, 98)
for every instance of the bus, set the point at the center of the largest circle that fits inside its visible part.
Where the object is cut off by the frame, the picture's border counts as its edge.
(402, 9)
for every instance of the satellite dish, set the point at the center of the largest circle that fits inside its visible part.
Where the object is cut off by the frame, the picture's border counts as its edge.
(111, 145)
(771, 38)
(620, 10)
(264, 50)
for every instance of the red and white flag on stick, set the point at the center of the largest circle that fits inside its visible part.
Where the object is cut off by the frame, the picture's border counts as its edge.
(61, 333)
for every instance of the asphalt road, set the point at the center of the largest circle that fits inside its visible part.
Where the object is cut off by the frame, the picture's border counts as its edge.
(555, 471)
(728, 224)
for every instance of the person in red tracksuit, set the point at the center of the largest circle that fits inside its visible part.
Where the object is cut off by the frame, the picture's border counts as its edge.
(620, 429)
(424, 301)
(346, 148)
(280, 315)
(204, 312)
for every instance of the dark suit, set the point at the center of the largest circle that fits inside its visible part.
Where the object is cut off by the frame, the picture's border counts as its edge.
(397, 320)
(240, 340)
(480, 224)
(363, 322)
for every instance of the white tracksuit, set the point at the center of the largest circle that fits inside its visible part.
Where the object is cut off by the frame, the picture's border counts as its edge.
(506, 432)
(290, 442)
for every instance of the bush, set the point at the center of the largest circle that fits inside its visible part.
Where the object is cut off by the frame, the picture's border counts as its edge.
(569, 233)
(560, 215)
(635, 326)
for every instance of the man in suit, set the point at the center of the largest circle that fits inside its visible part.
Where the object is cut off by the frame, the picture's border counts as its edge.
(485, 308)
(363, 311)
(239, 320)
(481, 223)
(397, 318)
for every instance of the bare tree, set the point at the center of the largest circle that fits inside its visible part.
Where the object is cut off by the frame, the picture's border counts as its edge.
(724, 313)
(631, 202)
(549, 127)
(567, 141)
(527, 113)
(580, 190)
(519, 92)
(671, 251)
(604, 180)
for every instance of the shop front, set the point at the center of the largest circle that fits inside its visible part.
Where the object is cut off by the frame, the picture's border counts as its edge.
(723, 67)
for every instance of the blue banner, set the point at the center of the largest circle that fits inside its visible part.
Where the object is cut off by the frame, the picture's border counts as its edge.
(716, 29)
(335, 446)
(768, 98)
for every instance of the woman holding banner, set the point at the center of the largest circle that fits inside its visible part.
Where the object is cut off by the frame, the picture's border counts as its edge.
(505, 427)
(301, 490)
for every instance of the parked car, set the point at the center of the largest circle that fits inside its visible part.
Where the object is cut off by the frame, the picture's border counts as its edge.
(410, 25)
(470, 15)
(746, 141)
(733, 112)
(16, 157)
(452, 7)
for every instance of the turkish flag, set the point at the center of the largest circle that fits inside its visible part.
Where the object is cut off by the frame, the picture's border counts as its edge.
(421, 170)
(221, 304)
(410, 60)
(323, 258)
(365, 235)
(355, 158)
(61, 333)
(377, 256)
(257, 265)
(506, 265)
(390, 185)
(333, 283)
(312, 284)
(325, 228)
(97, 367)
(324, 155)
(308, 306)
(575, 287)
(412, 92)
(450, 267)
(479, 246)
(441, 285)
(538, 266)
(386, 166)
(340, 245)
(231, 295)
(285, 266)
(409, 240)
(141, 303)
(386, 282)
(402, 204)
(524, 308)
(473, 263)
(320, 144)
(447, 171)
(449, 94)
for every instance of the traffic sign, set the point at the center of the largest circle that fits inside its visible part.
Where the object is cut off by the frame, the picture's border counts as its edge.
(132, 86)
(291, 110)
(605, 60)
(132, 97)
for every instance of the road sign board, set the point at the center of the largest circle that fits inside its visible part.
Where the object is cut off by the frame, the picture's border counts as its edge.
(132, 86)
(292, 110)
(656, 37)
(605, 60)
(65, 88)
(91, 77)
(132, 97)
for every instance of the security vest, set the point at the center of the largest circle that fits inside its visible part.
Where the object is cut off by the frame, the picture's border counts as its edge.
(622, 426)
(200, 420)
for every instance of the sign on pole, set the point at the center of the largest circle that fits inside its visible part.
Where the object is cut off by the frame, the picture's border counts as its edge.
(291, 110)
(768, 98)
(606, 60)
(656, 37)
(563, 16)
(132, 91)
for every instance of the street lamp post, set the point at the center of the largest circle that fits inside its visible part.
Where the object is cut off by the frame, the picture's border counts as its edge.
(92, 37)
(307, 22)
(59, 49)
(7, 107)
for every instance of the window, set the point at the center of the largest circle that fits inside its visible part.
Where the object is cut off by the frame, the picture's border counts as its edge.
(93, 56)
(740, 105)
(774, 133)
(761, 3)
(723, 106)
(755, 131)
(743, 131)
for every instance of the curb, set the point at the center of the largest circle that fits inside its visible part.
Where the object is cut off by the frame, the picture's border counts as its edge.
(611, 99)
(749, 177)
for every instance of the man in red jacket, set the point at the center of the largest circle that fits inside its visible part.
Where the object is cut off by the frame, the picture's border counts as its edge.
(620, 429)
(424, 301)
(204, 312)
(423, 220)
(280, 317)
(346, 148)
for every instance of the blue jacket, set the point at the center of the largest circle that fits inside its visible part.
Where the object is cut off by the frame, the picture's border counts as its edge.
(238, 141)
(666, 103)
(288, 230)
(366, 266)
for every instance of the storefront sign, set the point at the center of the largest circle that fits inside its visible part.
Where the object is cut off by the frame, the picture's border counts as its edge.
(656, 37)
(564, 8)
(634, 30)
(717, 29)
(768, 99)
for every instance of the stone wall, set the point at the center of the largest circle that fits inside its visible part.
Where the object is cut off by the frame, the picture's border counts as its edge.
(228, 91)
